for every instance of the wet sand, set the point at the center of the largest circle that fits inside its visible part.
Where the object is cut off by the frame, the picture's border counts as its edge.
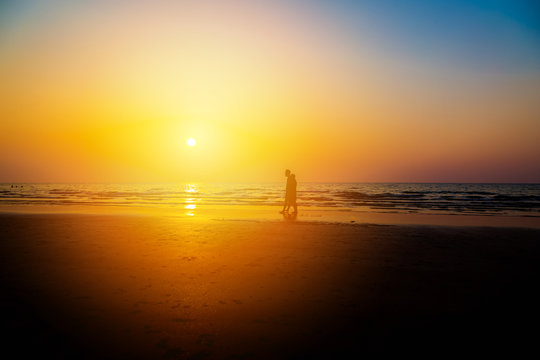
(146, 286)
(270, 213)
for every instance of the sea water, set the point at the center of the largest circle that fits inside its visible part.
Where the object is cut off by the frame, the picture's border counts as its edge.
(429, 198)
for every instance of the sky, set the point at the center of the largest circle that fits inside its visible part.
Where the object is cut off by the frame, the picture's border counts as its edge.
(337, 91)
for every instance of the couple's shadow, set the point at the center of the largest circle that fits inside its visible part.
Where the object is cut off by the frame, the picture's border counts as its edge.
(289, 216)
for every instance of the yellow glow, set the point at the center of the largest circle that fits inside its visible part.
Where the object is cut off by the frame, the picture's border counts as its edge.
(108, 96)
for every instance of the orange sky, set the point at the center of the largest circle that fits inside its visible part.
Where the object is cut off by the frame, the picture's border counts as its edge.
(110, 93)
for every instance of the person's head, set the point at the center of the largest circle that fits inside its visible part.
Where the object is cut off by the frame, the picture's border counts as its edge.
(287, 172)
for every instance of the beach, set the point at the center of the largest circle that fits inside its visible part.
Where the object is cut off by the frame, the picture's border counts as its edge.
(96, 285)
(207, 180)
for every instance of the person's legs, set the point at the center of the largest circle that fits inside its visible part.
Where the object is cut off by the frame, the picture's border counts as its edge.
(286, 206)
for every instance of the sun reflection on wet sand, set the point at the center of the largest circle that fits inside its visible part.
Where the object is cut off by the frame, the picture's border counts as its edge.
(190, 207)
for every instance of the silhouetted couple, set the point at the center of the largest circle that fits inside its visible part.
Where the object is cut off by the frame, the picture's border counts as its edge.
(290, 194)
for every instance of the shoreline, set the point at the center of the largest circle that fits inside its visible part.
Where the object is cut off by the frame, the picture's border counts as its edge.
(271, 213)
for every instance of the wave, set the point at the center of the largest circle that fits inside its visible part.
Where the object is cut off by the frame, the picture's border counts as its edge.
(360, 195)
(449, 192)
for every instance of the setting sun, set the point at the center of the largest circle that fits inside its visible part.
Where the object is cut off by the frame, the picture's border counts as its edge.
(191, 142)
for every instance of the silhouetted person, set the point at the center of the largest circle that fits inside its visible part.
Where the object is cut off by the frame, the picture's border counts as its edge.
(291, 189)
(290, 193)
(286, 202)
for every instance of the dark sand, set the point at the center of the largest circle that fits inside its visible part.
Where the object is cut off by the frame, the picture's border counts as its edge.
(90, 286)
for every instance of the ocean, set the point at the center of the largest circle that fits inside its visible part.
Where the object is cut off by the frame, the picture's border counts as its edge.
(429, 198)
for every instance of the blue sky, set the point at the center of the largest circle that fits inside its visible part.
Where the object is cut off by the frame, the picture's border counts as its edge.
(500, 34)
(479, 33)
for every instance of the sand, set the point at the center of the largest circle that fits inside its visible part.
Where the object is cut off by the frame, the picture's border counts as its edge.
(147, 286)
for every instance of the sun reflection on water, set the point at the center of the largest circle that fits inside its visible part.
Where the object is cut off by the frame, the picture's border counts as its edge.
(190, 190)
